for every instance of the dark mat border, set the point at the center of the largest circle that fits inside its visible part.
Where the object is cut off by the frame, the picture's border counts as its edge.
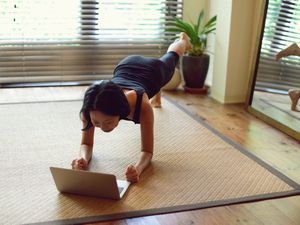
(181, 208)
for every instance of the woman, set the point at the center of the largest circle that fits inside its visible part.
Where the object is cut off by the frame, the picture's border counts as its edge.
(127, 96)
(294, 94)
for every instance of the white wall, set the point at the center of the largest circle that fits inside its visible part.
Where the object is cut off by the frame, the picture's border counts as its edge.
(233, 46)
(239, 55)
(192, 8)
(244, 29)
(221, 46)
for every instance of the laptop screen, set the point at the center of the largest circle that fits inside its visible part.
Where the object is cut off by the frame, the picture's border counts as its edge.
(120, 189)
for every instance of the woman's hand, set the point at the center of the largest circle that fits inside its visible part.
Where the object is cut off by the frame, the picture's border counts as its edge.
(79, 164)
(132, 174)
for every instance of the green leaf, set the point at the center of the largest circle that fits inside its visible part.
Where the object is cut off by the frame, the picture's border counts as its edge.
(179, 25)
(188, 29)
(196, 32)
(209, 31)
(211, 22)
(200, 17)
(173, 29)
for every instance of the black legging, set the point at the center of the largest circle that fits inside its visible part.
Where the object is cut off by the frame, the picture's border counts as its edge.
(170, 59)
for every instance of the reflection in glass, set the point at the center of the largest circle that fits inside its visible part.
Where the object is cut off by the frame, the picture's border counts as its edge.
(276, 78)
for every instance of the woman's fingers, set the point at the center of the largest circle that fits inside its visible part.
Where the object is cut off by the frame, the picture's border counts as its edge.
(79, 164)
(132, 174)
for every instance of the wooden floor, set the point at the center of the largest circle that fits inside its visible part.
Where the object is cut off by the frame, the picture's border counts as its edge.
(269, 144)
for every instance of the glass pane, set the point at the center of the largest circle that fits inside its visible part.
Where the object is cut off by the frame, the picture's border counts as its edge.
(39, 20)
(130, 19)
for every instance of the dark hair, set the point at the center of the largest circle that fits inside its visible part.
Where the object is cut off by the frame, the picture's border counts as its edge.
(106, 97)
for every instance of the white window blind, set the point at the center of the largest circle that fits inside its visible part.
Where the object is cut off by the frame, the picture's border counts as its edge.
(79, 40)
(282, 28)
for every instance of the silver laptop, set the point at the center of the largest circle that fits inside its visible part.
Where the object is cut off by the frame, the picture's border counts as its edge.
(89, 183)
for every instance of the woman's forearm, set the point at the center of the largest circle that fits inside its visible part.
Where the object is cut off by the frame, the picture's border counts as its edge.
(86, 152)
(144, 161)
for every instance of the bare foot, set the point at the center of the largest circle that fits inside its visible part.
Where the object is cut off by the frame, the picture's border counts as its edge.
(132, 174)
(155, 104)
(183, 36)
(181, 45)
(156, 100)
(290, 50)
(294, 95)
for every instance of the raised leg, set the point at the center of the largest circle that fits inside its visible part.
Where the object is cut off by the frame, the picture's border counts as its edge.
(180, 46)
(293, 49)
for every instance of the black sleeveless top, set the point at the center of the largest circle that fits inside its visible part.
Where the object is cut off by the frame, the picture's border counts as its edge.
(141, 74)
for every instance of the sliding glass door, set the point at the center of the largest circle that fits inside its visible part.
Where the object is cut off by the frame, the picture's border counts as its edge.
(272, 80)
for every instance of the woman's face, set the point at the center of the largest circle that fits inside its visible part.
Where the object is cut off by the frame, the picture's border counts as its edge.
(103, 121)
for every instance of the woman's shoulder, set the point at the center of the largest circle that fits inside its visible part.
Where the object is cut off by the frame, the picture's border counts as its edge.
(145, 105)
(82, 117)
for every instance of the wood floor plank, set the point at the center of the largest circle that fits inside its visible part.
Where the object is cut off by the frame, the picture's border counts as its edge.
(243, 215)
(180, 218)
(288, 208)
(143, 221)
(268, 214)
(115, 222)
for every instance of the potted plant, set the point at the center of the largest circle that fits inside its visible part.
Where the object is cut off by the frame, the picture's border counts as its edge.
(194, 65)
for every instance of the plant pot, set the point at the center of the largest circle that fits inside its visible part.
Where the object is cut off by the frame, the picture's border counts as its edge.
(194, 70)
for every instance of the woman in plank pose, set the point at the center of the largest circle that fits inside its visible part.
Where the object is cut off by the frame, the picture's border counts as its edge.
(294, 94)
(127, 96)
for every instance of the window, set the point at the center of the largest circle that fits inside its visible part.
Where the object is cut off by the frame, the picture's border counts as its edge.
(78, 40)
(38, 20)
